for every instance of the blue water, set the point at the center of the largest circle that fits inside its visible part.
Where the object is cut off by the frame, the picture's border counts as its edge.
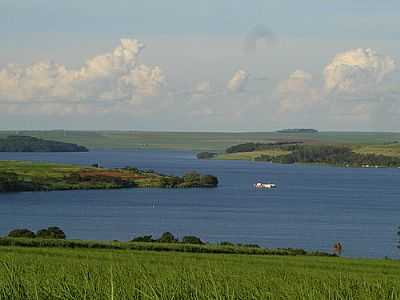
(312, 208)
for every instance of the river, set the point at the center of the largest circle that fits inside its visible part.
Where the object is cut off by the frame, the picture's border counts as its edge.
(312, 208)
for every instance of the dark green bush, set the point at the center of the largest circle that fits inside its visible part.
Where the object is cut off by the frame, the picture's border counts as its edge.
(225, 243)
(206, 155)
(167, 237)
(208, 180)
(21, 233)
(51, 233)
(190, 239)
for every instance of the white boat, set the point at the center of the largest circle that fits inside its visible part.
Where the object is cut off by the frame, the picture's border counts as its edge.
(268, 186)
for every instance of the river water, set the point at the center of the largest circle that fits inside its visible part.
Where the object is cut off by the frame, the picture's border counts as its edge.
(312, 208)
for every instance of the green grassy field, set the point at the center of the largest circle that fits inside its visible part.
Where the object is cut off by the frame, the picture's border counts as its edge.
(199, 141)
(40, 273)
(250, 155)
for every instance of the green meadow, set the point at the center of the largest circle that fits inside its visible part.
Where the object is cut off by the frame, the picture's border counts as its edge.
(53, 273)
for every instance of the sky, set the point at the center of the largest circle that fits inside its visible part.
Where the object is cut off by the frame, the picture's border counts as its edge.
(211, 65)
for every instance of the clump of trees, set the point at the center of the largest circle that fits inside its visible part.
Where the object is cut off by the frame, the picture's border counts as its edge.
(194, 179)
(189, 180)
(52, 232)
(251, 147)
(169, 238)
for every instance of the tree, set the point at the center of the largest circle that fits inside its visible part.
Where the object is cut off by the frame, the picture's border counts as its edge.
(21, 233)
(190, 239)
(208, 180)
(167, 237)
(51, 233)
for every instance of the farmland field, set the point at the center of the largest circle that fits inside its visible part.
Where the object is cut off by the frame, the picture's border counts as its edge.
(200, 141)
(40, 273)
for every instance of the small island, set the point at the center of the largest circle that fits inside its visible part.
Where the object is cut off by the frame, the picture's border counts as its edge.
(298, 130)
(23, 176)
(20, 143)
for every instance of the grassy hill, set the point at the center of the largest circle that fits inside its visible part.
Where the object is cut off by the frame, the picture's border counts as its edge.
(43, 273)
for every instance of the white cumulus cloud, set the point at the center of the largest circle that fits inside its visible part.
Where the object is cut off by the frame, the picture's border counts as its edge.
(238, 82)
(297, 92)
(357, 71)
(111, 76)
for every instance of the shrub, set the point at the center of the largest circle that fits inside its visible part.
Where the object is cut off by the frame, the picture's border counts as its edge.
(144, 239)
(21, 233)
(192, 240)
(51, 233)
(167, 237)
(170, 182)
(206, 155)
(225, 243)
(208, 180)
(191, 177)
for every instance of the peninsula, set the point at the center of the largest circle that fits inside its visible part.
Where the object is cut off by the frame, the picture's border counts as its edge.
(20, 143)
(21, 176)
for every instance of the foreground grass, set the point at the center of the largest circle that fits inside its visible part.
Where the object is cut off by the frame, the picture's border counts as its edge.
(39, 273)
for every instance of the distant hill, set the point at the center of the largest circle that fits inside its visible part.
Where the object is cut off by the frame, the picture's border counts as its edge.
(17, 143)
(298, 130)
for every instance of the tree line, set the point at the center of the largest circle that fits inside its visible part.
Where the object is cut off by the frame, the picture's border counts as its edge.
(330, 154)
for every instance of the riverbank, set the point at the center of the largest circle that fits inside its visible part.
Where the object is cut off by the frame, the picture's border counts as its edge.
(44, 273)
(21, 176)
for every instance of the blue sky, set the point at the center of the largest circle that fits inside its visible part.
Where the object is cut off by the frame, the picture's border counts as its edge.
(193, 50)
(336, 19)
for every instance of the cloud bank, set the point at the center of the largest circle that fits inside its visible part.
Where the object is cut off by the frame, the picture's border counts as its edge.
(107, 77)
(358, 85)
